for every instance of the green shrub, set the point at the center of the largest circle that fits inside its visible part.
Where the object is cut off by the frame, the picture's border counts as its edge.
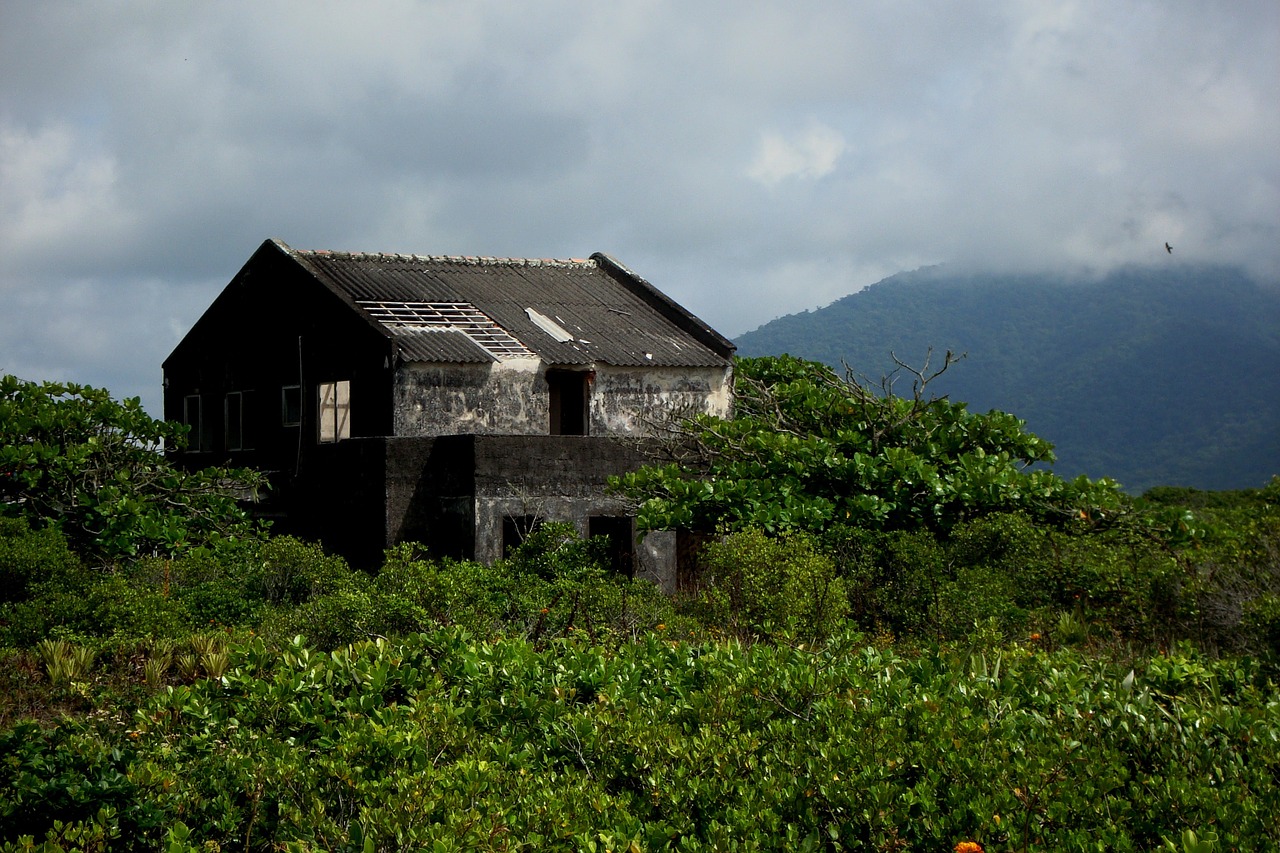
(808, 449)
(220, 602)
(41, 583)
(327, 621)
(218, 586)
(759, 585)
(234, 584)
(284, 571)
(68, 785)
(554, 582)
(122, 611)
(33, 558)
(976, 594)
(415, 593)
(1130, 584)
(1022, 554)
(895, 581)
(1261, 619)
(554, 550)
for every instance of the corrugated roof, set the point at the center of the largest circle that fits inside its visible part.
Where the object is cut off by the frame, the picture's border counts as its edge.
(440, 345)
(612, 316)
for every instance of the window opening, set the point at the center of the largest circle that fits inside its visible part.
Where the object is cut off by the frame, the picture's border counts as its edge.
(335, 411)
(233, 421)
(291, 405)
(199, 438)
(515, 529)
(569, 395)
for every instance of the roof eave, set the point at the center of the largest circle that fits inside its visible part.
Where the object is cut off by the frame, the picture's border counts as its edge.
(668, 307)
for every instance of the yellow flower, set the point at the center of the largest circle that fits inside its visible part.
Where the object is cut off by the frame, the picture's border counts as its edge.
(968, 847)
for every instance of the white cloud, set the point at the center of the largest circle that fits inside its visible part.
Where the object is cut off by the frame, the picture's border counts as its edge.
(53, 186)
(809, 153)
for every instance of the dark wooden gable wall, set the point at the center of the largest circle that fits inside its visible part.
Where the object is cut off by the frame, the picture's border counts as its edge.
(272, 327)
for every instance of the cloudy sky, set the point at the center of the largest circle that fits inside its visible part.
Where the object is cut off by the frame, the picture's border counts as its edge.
(751, 159)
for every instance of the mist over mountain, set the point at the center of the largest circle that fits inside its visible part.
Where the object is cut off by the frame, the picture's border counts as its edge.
(1152, 376)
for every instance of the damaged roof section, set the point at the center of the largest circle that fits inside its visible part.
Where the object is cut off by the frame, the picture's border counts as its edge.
(567, 312)
(409, 321)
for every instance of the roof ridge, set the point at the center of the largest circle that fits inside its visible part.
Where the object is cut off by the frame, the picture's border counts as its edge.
(472, 260)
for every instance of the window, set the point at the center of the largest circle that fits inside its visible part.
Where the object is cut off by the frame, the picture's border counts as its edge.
(200, 437)
(291, 405)
(233, 420)
(237, 414)
(335, 411)
(570, 392)
(514, 530)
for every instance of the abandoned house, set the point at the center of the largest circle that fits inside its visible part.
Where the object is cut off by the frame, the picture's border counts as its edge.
(450, 401)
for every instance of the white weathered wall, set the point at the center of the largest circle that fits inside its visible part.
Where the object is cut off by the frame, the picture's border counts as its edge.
(502, 398)
(512, 398)
(627, 401)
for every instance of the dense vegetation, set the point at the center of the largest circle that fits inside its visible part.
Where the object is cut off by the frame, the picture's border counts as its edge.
(444, 741)
(1151, 376)
(809, 450)
(986, 657)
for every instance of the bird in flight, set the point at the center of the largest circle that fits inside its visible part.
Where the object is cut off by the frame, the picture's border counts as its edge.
(1168, 248)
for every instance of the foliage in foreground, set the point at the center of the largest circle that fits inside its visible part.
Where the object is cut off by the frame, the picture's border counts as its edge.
(443, 742)
(73, 457)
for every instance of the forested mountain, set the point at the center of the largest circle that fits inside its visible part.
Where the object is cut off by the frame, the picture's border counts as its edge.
(1152, 376)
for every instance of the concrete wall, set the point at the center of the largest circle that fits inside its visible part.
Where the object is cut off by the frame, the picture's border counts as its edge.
(512, 398)
(500, 398)
(338, 498)
(630, 401)
(453, 493)
(554, 478)
(472, 449)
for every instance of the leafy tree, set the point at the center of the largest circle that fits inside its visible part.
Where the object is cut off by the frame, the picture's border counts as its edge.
(808, 449)
(73, 457)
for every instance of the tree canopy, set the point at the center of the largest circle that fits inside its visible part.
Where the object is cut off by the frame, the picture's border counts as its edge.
(807, 449)
(73, 457)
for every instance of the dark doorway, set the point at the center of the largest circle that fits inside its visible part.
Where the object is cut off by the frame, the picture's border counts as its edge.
(570, 393)
(622, 543)
(689, 547)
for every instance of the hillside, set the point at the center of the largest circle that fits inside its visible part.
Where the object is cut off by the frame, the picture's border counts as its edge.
(1151, 376)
